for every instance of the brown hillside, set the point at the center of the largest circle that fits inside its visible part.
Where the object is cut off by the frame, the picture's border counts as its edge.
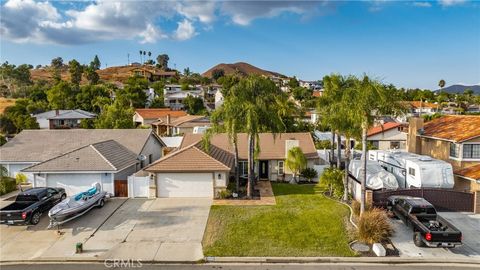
(6, 102)
(240, 68)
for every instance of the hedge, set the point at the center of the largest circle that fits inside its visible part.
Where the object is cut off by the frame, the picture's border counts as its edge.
(7, 184)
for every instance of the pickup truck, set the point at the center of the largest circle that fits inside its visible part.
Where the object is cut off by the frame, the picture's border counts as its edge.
(429, 228)
(30, 205)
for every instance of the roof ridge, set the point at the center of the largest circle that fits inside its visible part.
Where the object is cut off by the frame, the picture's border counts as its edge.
(104, 158)
(208, 155)
(172, 154)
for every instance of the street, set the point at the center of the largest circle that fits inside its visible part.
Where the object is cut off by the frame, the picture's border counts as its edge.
(336, 266)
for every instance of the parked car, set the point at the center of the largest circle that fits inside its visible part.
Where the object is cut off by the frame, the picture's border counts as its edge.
(429, 228)
(30, 205)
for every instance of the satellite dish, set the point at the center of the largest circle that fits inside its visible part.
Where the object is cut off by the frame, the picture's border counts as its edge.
(142, 157)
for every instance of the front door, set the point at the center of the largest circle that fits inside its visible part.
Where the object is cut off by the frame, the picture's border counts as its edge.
(263, 170)
(121, 188)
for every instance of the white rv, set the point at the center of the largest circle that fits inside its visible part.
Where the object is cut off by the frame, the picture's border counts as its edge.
(412, 170)
(377, 177)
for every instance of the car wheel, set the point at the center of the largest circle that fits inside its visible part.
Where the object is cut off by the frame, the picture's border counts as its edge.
(35, 218)
(101, 203)
(417, 239)
(64, 196)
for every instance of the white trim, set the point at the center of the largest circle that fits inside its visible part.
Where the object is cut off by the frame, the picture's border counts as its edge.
(75, 172)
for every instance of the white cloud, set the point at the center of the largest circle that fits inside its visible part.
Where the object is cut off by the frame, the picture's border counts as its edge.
(185, 30)
(447, 3)
(204, 11)
(422, 4)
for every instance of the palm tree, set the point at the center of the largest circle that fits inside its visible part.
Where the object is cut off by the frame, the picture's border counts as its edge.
(441, 83)
(149, 55)
(371, 99)
(296, 161)
(141, 53)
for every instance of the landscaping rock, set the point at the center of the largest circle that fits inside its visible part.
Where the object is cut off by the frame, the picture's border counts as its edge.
(379, 250)
(360, 247)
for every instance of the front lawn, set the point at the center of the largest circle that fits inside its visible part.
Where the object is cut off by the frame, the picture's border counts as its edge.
(302, 223)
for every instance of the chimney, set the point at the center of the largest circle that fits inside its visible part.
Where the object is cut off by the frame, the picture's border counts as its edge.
(168, 125)
(57, 112)
(415, 127)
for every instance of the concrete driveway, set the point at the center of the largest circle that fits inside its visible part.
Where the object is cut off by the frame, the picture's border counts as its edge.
(163, 229)
(35, 242)
(467, 223)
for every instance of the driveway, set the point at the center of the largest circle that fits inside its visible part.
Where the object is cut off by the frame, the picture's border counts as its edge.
(467, 223)
(34, 242)
(163, 229)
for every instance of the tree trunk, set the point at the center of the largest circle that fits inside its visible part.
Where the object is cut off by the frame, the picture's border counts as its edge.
(363, 176)
(347, 163)
(237, 167)
(251, 168)
(339, 150)
(332, 150)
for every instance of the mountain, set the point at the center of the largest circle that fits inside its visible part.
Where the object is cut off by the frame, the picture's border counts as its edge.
(242, 68)
(458, 88)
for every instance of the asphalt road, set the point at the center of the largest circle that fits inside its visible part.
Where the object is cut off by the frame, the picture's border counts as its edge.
(337, 266)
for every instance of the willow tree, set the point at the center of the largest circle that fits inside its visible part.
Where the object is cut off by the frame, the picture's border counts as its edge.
(370, 99)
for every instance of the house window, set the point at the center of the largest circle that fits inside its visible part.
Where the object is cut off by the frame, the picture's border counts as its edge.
(394, 145)
(243, 167)
(219, 176)
(454, 150)
(150, 159)
(281, 167)
(411, 171)
(471, 151)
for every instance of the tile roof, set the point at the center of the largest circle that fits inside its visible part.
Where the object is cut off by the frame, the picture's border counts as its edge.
(386, 126)
(65, 114)
(189, 118)
(189, 159)
(270, 148)
(103, 156)
(158, 113)
(472, 172)
(457, 128)
(421, 104)
(40, 145)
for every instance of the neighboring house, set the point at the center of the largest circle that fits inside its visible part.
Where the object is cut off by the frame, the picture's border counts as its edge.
(76, 159)
(146, 117)
(452, 138)
(182, 125)
(174, 96)
(387, 136)
(153, 74)
(314, 85)
(311, 116)
(171, 143)
(62, 119)
(218, 99)
(317, 93)
(418, 108)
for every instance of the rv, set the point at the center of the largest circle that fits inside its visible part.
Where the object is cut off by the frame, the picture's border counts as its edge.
(377, 177)
(414, 171)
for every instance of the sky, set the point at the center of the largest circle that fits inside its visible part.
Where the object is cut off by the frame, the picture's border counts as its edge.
(408, 43)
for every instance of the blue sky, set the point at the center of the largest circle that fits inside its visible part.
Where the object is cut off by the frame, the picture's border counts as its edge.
(409, 44)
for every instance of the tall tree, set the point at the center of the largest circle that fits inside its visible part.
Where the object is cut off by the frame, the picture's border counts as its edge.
(76, 71)
(218, 73)
(162, 61)
(295, 161)
(56, 68)
(95, 63)
(61, 96)
(116, 115)
(441, 83)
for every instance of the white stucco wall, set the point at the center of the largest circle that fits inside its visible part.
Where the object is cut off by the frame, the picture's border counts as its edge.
(153, 147)
(15, 168)
(392, 135)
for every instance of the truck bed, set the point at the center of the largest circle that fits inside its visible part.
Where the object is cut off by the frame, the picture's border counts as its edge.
(17, 206)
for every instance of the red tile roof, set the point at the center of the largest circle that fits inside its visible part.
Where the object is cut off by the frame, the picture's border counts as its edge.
(421, 104)
(457, 128)
(386, 126)
(158, 113)
(472, 172)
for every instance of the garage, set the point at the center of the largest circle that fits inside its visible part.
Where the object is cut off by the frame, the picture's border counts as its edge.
(185, 185)
(76, 183)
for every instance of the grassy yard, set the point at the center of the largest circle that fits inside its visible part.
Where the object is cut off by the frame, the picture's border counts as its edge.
(302, 223)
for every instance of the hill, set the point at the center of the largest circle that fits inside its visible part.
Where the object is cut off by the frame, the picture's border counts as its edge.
(5, 102)
(242, 68)
(458, 88)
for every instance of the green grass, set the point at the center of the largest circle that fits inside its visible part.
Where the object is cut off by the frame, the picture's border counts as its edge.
(303, 223)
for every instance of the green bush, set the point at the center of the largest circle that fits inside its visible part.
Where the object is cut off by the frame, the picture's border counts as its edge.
(331, 180)
(374, 226)
(309, 174)
(356, 207)
(7, 184)
(325, 144)
(223, 194)
(20, 178)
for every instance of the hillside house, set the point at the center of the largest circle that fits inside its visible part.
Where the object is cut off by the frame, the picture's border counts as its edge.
(62, 119)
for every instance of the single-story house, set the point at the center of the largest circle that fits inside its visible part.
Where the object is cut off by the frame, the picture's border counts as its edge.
(62, 119)
(387, 136)
(193, 171)
(182, 125)
(146, 117)
(76, 159)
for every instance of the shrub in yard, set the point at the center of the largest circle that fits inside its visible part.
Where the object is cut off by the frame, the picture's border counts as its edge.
(374, 226)
(356, 207)
(332, 181)
(223, 194)
(20, 178)
(309, 174)
(7, 184)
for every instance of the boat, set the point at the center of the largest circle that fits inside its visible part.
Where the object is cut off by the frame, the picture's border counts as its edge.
(77, 205)
(377, 177)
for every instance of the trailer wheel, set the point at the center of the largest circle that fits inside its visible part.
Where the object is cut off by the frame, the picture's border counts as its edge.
(35, 218)
(417, 239)
(101, 203)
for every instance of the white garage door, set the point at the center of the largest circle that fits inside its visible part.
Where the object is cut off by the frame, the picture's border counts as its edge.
(185, 185)
(73, 183)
